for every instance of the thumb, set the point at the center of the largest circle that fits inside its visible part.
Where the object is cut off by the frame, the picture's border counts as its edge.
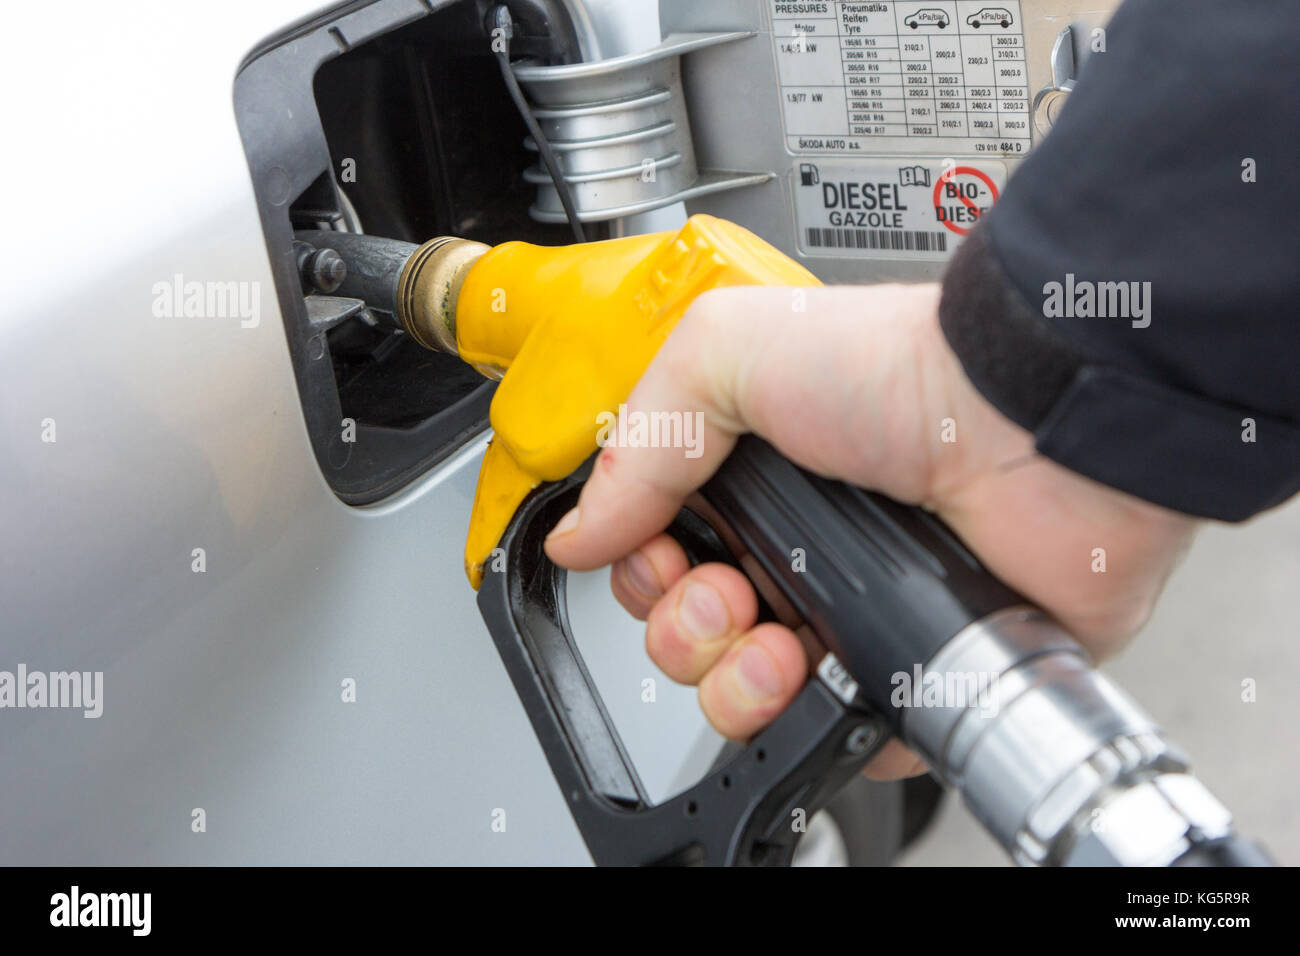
(678, 426)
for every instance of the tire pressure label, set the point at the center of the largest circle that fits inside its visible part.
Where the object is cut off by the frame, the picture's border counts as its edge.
(908, 208)
(932, 77)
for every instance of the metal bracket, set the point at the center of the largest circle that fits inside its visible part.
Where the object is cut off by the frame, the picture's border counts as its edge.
(620, 132)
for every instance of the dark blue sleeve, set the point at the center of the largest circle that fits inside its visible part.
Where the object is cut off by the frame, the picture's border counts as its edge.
(1134, 297)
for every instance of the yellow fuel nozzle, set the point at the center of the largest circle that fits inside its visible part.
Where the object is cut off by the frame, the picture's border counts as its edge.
(569, 330)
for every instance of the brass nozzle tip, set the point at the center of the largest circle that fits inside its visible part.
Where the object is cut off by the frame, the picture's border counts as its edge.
(429, 286)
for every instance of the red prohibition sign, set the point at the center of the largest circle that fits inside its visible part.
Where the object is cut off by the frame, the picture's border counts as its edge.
(947, 178)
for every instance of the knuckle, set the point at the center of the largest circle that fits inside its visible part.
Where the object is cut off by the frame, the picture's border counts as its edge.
(672, 652)
(711, 308)
(719, 711)
(713, 341)
(711, 317)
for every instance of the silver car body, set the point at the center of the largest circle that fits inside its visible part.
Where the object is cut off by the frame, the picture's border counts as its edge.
(223, 688)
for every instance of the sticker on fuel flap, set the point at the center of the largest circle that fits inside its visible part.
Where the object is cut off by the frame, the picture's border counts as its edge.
(891, 208)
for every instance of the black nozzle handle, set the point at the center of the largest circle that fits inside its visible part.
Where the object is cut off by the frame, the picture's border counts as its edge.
(883, 585)
(741, 813)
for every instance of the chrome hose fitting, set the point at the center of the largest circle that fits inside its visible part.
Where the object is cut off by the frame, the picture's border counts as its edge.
(1058, 763)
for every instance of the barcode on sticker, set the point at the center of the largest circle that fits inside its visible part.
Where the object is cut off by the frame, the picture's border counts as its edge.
(894, 240)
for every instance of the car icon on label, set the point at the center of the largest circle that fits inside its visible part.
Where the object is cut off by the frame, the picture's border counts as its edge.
(926, 17)
(990, 17)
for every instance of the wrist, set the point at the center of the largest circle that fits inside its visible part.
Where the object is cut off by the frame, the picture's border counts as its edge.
(968, 437)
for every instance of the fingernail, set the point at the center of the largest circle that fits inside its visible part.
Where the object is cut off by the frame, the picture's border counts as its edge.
(757, 673)
(642, 575)
(567, 524)
(701, 612)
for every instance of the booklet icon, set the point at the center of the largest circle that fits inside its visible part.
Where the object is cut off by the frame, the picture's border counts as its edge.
(913, 176)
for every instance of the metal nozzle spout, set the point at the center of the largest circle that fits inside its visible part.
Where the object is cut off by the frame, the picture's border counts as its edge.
(429, 286)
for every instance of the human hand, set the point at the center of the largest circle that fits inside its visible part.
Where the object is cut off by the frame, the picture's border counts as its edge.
(858, 384)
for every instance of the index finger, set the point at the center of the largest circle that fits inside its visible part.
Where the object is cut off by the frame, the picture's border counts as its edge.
(678, 426)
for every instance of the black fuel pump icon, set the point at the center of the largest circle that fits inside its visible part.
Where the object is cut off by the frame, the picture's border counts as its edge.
(808, 175)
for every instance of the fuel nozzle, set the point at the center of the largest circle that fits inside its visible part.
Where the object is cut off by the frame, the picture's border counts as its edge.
(567, 329)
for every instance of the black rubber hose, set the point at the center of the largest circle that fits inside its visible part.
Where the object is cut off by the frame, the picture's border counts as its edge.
(374, 264)
(1229, 851)
(501, 20)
